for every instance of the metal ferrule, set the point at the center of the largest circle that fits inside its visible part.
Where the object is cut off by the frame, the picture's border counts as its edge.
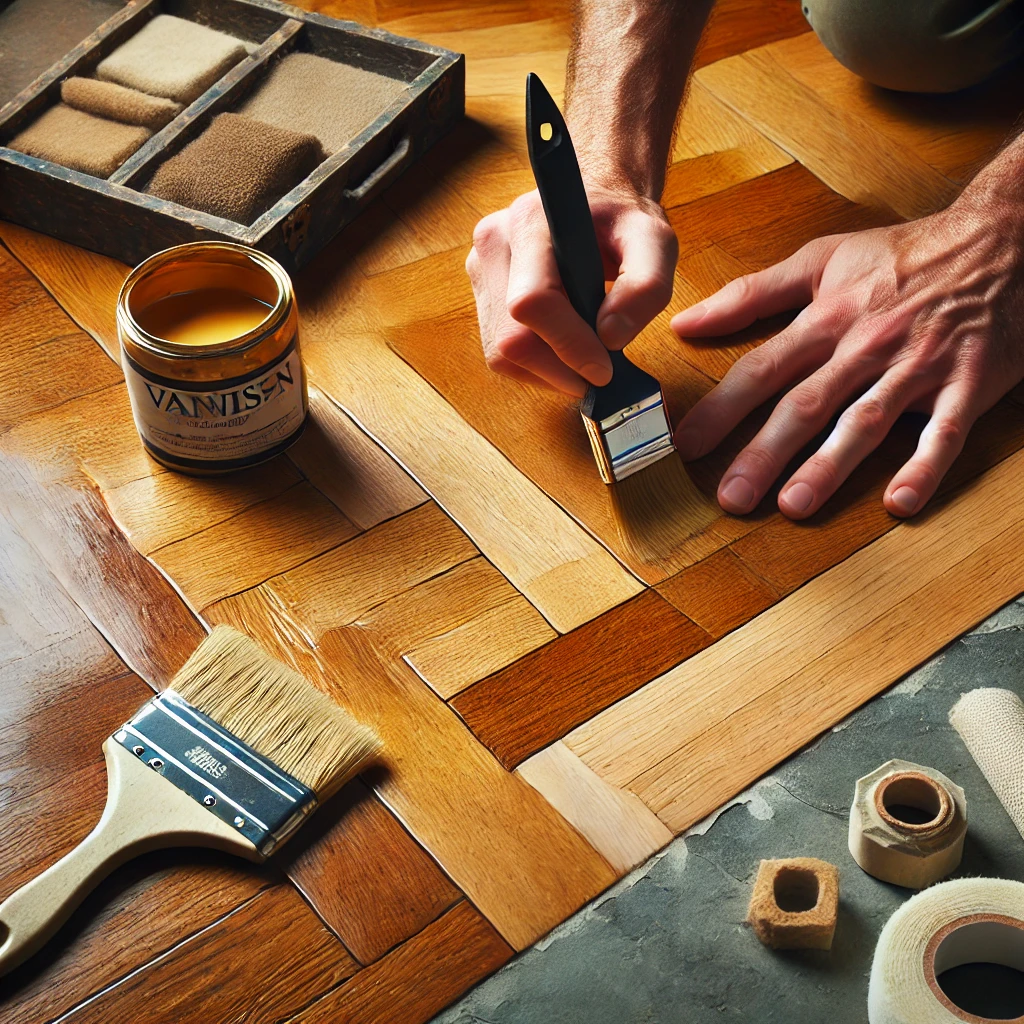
(631, 439)
(218, 770)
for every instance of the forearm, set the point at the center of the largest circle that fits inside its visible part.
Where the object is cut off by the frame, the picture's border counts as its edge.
(628, 67)
(1000, 183)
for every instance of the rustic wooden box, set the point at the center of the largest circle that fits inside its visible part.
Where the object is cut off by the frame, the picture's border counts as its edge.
(115, 217)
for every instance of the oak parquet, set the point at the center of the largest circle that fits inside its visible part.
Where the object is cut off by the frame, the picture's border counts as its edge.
(418, 979)
(264, 962)
(541, 697)
(435, 530)
(366, 877)
(493, 835)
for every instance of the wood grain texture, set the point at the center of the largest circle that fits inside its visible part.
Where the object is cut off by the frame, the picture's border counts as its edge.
(738, 25)
(420, 978)
(366, 877)
(705, 730)
(541, 697)
(824, 139)
(493, 835)
(719, 593)
(260, 542)
(618, 825)
(265, 961)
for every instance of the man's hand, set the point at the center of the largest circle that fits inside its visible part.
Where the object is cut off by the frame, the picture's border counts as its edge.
(921, 316)
(528, 328)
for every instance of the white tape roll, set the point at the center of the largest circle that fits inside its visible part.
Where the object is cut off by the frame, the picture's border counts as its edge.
(969, 920)
(991, 724)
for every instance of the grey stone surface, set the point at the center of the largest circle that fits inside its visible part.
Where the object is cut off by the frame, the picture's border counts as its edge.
(669, 943)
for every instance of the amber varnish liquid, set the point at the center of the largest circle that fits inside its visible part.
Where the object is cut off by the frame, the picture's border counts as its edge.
(207, 316)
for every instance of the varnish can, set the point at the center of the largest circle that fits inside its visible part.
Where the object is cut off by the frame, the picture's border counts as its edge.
(210, 352)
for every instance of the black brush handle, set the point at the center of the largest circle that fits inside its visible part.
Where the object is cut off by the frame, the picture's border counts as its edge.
(560, 183)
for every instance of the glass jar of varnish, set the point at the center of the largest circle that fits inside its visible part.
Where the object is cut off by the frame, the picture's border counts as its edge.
(210, 351)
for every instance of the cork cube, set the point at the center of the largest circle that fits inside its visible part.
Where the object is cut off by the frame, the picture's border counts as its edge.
(795, 903)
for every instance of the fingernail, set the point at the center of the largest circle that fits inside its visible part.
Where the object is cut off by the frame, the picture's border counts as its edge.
(693, 316)
(905, 499)
(799, 497)
(688, 443)
(616, 331)
(738, 493)
(597, 373)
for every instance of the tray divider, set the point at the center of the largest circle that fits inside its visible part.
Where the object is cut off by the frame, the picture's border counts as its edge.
(222, 94)
(84, 57)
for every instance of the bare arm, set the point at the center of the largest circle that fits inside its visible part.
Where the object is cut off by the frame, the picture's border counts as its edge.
(627, 70)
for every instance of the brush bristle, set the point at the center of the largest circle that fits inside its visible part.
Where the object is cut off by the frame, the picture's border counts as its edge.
(275, 711)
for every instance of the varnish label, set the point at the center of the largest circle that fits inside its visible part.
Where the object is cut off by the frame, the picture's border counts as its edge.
(230, 421)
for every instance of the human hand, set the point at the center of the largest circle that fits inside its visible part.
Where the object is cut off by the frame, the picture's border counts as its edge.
(920, 316)
(528, 328)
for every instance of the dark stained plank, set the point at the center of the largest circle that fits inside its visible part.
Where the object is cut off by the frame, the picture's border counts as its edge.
(719, 593)
(541, 697)
(145, 908)
(366, 877)
(738, 25)
(419, 978)
(261, 963)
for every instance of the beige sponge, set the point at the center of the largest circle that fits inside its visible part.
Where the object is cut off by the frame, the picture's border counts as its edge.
(795, 903)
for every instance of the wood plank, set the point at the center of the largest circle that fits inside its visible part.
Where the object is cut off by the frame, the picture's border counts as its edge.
(714, 148)
(496, 837)
(543, 696)
(125, 597)
(366, 877)
(157, 510)
(265, 961)
(418, 979)
(735, 26)
(458, 626)
(618, 825)
(703, 731)
(719, 593)
(259, 542)
(840, 148)
(350, 469)
(373, 568)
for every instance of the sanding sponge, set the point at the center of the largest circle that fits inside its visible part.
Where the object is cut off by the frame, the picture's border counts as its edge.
(237, 169)
(117, 103)
(80, 141)
(172, 57)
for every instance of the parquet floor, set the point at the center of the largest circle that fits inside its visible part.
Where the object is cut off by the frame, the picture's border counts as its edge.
(563, 678)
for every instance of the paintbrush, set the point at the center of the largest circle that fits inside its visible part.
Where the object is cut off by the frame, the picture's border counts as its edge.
(626, 419)
(235, 756)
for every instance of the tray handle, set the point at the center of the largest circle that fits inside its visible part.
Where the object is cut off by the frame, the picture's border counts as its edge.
(390, 167)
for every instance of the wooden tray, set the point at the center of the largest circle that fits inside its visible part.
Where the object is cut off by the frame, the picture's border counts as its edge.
(114, 217)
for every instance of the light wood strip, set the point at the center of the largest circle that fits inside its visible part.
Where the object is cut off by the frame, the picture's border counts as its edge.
(347, 466)
(260, 542)
(618, 825)
(840, 148)
(699, 733)
(459, 626)
(565, 574)
(494, 835)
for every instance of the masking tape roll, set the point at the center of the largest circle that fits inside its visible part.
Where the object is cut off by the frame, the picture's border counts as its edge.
(991, 724)
(968, 920)
(907, 824)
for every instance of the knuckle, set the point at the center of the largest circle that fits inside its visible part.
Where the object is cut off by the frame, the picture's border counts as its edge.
(759, 366)
(868, 417)
(760, 461)
(949, 434)
(513, 346)
(523, 208)
(487, 233)
(824, 471)
(807, 405)
(473, 264)
(528, 306)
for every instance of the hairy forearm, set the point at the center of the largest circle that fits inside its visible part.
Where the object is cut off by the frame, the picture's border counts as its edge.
(627, 71)
(1000, 183)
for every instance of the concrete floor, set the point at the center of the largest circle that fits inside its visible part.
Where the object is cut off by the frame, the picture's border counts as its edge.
(669, 944)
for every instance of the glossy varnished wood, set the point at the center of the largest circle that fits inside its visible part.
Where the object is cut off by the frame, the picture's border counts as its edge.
(541, 697)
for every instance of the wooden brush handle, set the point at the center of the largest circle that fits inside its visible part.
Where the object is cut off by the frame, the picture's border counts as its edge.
(143, 812)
